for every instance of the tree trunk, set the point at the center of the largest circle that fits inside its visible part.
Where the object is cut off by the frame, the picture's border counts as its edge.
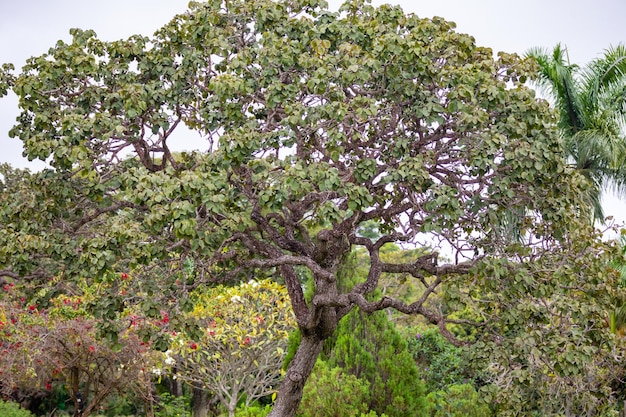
(290, 391)
(200, 402)
(174, 386)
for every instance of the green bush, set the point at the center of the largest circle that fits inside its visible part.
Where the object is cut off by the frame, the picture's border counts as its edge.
(440, 362)
(457, 401)
(254, 411)
(10, 409)
(171, 406)
(331, 392)
(369, 347)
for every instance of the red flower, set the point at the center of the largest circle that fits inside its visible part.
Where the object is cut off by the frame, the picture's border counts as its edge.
(193, 345)
(91, 348)
(124, 275)
(246, 341)
(48, 386)
(32, 307)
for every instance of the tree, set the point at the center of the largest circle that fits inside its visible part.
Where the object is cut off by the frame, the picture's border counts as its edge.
(591, 104)
(316, 123)
(370, 348)
(333, 392)
(44, 348)
(243, 339)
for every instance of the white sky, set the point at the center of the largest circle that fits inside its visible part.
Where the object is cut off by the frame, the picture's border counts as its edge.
(29, 27)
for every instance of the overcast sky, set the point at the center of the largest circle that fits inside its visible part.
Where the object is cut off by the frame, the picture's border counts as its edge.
(30, 27)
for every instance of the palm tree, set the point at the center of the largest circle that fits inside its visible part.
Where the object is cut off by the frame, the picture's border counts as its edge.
(591, 102)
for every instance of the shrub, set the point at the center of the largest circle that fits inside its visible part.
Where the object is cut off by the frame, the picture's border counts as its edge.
(457, 401)
(331, 392)
(369, 347)
(172, 406)
(253, 411)
(11, 409)
(440, 362)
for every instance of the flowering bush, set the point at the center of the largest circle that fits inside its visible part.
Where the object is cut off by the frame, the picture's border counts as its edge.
(59, 346)
(242, 341)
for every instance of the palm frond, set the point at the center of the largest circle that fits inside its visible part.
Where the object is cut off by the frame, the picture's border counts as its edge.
(605, 74)
(557, 76)
(592, 116)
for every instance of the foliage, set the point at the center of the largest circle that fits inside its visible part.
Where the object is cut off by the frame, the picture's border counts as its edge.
(617, 317)
(10, 409)
(59, 346)
(369, 347)
(254, 411)
(457, 401)
(551, 373)
(316, 123)
(441, 363)
(242, 338)
(6, 78)
(592, 111)
(332, 392)
(171, 406)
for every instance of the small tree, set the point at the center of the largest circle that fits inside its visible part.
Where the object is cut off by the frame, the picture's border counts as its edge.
(241, 343)
(46, 348)
(332, 392)
(370, 348)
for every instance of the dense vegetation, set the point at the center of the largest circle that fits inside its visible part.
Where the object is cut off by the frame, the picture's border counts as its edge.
(385, 222)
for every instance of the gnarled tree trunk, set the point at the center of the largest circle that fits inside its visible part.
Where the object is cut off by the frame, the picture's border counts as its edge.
(300, 367)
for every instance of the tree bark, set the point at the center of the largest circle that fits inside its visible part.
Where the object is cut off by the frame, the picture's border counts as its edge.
(290, 391)
(200, 403)
(174, 386)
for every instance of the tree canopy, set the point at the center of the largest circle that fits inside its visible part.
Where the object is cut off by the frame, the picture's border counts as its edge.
(315, 123)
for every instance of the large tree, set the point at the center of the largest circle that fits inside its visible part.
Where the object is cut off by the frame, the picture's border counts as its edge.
(316, 123)
(591, 104)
